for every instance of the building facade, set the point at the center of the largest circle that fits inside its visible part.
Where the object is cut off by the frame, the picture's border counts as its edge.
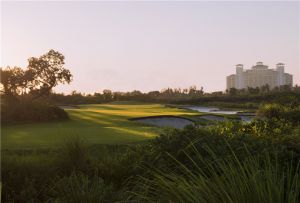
(259, 75)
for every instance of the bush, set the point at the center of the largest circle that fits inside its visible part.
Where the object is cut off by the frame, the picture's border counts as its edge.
(30, 112)
(25, 174)
(271, 111)
(288, 112)
(276, 137)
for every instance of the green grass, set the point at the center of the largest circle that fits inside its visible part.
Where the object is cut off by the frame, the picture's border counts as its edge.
(97, 124)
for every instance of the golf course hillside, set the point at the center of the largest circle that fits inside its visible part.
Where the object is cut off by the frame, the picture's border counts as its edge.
(112, 123)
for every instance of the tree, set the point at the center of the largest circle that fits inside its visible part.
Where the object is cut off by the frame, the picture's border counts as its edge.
(192, 90)
(41, 75)
(154, 93)
(233, 91)
(201, 91)
(218, 93)
(13, 81)
(265, 88)
(48, 71)
(253, 90)
(107, 95)
(285, 88)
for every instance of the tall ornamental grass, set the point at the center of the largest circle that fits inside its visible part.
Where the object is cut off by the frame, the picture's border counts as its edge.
(258, 179)
(79, 188)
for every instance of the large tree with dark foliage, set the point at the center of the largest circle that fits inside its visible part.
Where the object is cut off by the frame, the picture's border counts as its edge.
(41, 75)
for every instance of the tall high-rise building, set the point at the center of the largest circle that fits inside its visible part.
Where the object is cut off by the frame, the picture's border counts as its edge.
(259, 75)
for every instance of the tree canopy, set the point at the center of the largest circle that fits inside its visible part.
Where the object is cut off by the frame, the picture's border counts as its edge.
(37, 79)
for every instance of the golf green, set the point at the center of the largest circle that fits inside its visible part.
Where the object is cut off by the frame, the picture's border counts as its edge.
(97, 124)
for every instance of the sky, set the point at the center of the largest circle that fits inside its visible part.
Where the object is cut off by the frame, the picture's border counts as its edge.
(125, 46)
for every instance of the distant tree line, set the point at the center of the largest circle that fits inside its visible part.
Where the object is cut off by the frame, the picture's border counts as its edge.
(265, 89)
(165, 95)
(176, 95)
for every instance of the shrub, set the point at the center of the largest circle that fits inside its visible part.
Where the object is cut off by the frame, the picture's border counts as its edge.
(30, 112)
(284, 143)
(25, 175)
(289, 112)
(271, 111)
(269, 127)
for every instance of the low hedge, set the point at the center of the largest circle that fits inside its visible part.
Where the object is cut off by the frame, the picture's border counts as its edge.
(30, 112)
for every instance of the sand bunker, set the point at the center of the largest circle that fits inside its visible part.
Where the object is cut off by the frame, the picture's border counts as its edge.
(165, 121)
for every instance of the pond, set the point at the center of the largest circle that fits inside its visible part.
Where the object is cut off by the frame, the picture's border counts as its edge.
(212, 110)
(246, 117)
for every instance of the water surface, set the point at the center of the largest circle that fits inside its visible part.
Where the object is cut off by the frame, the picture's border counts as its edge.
(215, 110)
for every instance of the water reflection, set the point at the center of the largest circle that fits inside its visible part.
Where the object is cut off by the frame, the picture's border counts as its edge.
(213, 110)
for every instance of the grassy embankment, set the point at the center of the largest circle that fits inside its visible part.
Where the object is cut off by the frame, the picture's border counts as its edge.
(97, 124)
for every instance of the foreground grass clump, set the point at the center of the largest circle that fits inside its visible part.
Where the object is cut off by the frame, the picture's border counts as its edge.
(255, 179)
(78, 188)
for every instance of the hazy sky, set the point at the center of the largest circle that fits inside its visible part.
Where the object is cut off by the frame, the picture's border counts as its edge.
(152, 45)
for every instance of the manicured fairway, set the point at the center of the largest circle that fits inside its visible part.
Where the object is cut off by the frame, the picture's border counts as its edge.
(97, 124)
